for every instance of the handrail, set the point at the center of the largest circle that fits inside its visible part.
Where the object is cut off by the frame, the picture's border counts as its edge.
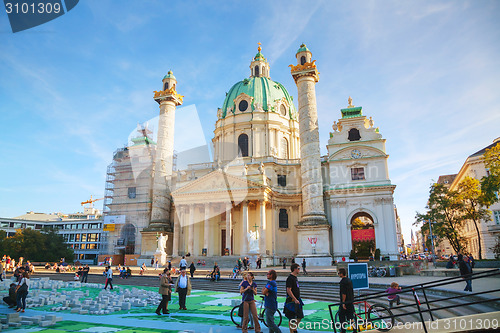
(413, 289)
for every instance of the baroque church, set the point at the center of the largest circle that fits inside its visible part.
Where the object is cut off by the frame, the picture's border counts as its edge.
(268, 192)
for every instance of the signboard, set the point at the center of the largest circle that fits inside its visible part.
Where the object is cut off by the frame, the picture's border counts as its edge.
(358, 273)
(114, 219)
(109, 227)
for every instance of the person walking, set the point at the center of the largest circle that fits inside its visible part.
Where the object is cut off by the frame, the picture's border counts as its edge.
(284, 263)
(270, 292)
(109, 278)
(169, 266)
(192, 268)
(293, 303)
(248, 289)
(465, 271)
(346, 308)
(183, 288)
(22, 290)
(165, 291)
(1, 272)
(304, 265)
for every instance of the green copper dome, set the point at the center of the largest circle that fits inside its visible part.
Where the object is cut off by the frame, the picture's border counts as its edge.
(263, 90)
(303, 48)
(170, 75)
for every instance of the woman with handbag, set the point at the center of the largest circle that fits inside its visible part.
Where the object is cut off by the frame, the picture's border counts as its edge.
(165, 292)
(22, 292)
(248, 289)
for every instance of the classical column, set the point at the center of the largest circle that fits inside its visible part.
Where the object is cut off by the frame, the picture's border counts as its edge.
(275, 228)
(168, 100)
(244, 229)
(262, 229)
(206, 233)
(305, 75)
(229, 226)
(176, 233)
(191, 230)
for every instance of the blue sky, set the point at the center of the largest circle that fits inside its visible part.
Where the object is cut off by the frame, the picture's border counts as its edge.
(73, 89)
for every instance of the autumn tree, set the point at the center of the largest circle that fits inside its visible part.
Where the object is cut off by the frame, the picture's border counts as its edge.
(474, 203)
(490, 185)
(445, 209)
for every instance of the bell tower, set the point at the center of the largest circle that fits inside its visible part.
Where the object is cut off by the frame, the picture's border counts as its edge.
(313, 223)
(160, 221)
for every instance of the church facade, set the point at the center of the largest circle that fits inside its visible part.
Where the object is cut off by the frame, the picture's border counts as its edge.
(268, 192)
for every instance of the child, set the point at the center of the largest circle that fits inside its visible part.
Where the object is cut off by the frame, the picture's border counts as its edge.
(76, 277)
(393, 297)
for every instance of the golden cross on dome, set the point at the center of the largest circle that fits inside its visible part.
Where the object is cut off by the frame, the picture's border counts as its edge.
(259, 48)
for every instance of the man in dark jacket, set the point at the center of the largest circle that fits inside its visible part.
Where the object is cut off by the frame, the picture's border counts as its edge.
(346, 308)
(465, 271)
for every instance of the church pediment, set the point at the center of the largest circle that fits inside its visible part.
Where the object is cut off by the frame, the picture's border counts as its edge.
(217, 181)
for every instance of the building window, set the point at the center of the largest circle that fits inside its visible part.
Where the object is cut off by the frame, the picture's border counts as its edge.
(282, 180)
(357, 173)
(165, 87)
(283, 110)
(496, 216)
(283, 219)
(243, 106)
(243, 145)
(302, 60)
(84, 237)
(72, 237)
(131, 192)
(284, 148)
(354, 135)
(77, 237)
(256, 70)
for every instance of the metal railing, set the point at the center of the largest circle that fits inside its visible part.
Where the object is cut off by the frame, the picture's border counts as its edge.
(424, 306)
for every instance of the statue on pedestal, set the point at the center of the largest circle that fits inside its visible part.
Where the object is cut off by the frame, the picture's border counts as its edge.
(253, 241)
(161, 254)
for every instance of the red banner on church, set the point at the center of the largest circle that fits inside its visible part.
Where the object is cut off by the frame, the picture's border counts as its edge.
(363, 235)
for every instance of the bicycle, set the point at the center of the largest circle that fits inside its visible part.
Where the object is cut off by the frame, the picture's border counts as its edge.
(377, 272)
(375, 316)
(278, 318)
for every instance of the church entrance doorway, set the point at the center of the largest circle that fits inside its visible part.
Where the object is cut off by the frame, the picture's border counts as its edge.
(363, 235)
(223, 243)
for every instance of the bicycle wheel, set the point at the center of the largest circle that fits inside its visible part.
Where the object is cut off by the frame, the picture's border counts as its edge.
(278, 318)
(381, 273)
(380, 317)
(234, 316)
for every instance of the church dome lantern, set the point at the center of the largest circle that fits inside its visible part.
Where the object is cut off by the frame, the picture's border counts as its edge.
(303, 55)
(169, 81)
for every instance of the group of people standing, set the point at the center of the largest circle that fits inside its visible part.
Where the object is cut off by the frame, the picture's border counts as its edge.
(18, 290)
(182, 286)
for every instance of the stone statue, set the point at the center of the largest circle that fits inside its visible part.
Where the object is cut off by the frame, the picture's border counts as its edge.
(334, 126)
(261, 168)
(371, 122)
(253, 241)
(162, 243)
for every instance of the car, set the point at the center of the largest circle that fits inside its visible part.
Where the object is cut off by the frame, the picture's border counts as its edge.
(445, 257)
(422, 256)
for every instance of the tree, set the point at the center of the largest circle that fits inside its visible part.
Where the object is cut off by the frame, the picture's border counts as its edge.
(35, 245)
(446, 210)
(490, 185)
(474, 202)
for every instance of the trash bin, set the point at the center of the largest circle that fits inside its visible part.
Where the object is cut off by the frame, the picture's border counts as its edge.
(392, 270)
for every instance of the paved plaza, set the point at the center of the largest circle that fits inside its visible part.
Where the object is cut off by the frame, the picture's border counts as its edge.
(55, 306)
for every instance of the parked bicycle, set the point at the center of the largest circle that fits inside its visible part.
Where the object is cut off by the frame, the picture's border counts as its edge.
(374, 316)
(377, 271)
(237, 314)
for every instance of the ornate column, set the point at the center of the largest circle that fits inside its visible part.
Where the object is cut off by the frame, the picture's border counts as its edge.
(229, 226)
(313, 223)
(206, 232)
(191, 230)
(176, 232)
(244, 229)
(275, 229)
(168, 100)
(262, 229)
